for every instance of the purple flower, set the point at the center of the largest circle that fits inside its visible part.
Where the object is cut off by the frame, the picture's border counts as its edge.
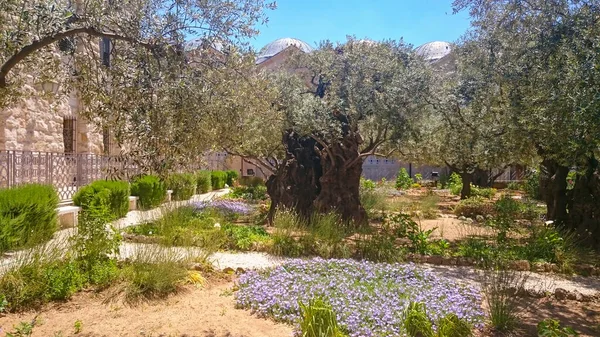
(225, 206)
(368, 298)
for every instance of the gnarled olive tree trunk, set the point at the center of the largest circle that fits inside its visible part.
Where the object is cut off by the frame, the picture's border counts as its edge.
(313, 179)
(584, 205)
(553, 189)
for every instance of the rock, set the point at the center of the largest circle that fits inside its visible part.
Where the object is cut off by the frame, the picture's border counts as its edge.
(489, 217)
(469, 220)
(554, 268)
(586, 298)
(239, 270)
(462, 218)
(538, 267)
(480, 218)
(228, 270)
(585, 269)
(574, 296)
(435, 259)
(535, 293)
(560, 294)
(522, 292)
(520, 265)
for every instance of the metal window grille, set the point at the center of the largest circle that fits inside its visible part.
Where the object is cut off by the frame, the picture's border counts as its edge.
(69, 134)
(105, 51)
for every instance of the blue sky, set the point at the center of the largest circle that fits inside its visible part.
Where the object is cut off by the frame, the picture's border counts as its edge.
(417, 21)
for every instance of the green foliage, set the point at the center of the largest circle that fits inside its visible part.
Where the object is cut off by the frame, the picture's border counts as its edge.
(182, 185)
(549, 244)
(287, 223)
(231, 177)
(100, 194)
(246, 237)
(454, 183)
(78, 326)
(531, 185)
(154, 272)
(93, 246)
(507, 211)
(371, 199)
(452, 326)
(251, 181)
(415, 321)
(318, 320)
(327, 234)
(552, 328)
(475, 248)
(150, 190)
(27, 215)
(380, 244)
(250, 193)
(502, 305)
(403, 180)
(474, 206)
(23, 329)
(485, 192)
(367, 184)
(218, 179)
(514, 186)
(203, 181)
(418, 178)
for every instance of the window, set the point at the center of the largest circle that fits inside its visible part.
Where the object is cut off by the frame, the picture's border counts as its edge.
(106, 140)
(69, 134)
(105, 51)
(250, 172)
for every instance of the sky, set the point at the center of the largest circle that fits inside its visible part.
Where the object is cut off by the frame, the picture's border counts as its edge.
(417, 21)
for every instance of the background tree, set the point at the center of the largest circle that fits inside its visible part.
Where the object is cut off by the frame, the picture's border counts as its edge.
(339, 105)
(552, 74)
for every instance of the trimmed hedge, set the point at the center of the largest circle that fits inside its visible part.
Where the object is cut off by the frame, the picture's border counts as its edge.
(203, 181)
(218, 179)
(150, 190)
(27, 215)
(182, 185)
(251, 181)
(112, 195)
(232, 175)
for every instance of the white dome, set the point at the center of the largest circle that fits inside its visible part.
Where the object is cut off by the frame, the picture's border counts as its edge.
(434, 51)
(280, 45)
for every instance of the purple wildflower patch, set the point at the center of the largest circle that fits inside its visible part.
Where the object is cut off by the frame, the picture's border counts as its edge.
(225, 206)
(368, 298)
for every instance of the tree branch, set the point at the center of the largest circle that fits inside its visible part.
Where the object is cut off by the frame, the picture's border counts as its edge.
(48, 40)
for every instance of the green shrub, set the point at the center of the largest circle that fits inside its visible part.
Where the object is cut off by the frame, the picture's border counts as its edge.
(474, 206)
(484, 192)
(548, 244)
(182, 185)
(27, 215)
(452, 326)
(113, 195)
(502, 305)
(552, 328)
(371, 199)
(328, 233)
(318, 320)
(531, 185)
(250, 193)
(454, 183)
(218, 179)
(246, 237)
(415, 321)
(380, 245)
(154, 272)
(286, 223)
(150, 190)
(403, 181)
(203, 181)
(231, 176)
(251, 181)
(514, 186)
(476, 248)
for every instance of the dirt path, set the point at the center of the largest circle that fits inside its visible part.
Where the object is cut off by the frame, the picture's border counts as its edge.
(194, 313)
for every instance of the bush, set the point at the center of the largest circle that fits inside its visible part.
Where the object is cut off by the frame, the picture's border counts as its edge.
(251, 181)
(154, 272)
(318, 320)
(552, 328)
(112, 195)
(218, 179)
(250, 193)
(474, 206)
(231, 177)
(454, 183)
(452, 326)
(531, 185)
(246, 237)
(477, 191)
(203, 181)
(27, 215)
(182, 185)
(549, 244)
(403, 181)
(150, 190)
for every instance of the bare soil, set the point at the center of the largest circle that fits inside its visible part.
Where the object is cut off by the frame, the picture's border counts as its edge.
(208, 312)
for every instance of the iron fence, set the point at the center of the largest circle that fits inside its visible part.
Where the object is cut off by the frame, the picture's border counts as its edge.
(66, 172)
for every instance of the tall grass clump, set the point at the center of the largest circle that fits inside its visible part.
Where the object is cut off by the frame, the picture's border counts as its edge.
(150, 190)
(153, 272)
(319, 320)
(328, 232)
(183, 185)
(287, 224)
(499, 287)
(415, 321)
(372, 199)
(104, 193)
(27, 215)
(203, 181)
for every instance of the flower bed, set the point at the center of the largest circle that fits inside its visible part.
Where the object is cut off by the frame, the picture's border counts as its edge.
(228, 207)
(368, 298)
